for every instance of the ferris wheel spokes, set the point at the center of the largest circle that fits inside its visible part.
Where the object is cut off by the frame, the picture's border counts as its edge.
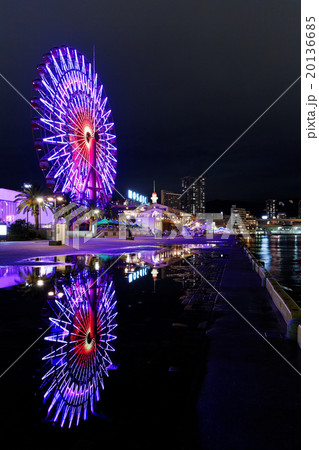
(75, 135)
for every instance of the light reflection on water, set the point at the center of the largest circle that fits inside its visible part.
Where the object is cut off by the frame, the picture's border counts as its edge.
(79, 312)
(80, 336)
(282, 257)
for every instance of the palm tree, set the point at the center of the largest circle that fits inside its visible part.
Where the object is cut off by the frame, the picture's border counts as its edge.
(28, 202)
(109, 212)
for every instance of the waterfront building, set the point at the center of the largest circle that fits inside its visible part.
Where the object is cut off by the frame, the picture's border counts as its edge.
(170, 199)
(278, 226)
(9, 212)
(271, 208)
(193, 198)
(242, 221)
(154, 219)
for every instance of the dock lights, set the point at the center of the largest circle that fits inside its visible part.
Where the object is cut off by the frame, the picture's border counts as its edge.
(40, 282)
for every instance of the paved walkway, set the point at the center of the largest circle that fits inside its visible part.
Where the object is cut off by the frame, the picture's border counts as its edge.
(16, 251)
(249, 397)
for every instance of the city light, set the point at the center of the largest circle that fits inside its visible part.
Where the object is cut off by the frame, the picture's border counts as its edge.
(132, 195)
(137, 274)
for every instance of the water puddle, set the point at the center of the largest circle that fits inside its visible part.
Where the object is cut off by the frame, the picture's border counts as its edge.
(109, 332)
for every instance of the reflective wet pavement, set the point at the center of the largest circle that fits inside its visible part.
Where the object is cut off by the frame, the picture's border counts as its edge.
(164, 384)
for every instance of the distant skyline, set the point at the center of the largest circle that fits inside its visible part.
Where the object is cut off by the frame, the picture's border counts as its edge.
(184, 81)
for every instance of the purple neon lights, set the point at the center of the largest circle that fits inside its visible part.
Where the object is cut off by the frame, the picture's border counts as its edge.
(71, 103)
(79, 357)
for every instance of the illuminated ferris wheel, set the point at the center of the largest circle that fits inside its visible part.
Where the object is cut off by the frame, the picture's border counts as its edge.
(81, 334)
(73, 128)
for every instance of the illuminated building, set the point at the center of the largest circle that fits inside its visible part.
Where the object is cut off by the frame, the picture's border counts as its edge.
(271, 208)
(193, 195)
(241, 220)
(9, 213)
(154, 197)
(171, 199)
(155, 218)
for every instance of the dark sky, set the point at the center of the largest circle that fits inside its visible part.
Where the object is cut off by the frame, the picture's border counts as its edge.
(184, 80)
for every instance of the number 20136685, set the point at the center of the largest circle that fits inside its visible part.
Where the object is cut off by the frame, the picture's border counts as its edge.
(310, 47)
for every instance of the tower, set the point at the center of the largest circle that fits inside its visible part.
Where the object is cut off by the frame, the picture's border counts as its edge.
(193, 195)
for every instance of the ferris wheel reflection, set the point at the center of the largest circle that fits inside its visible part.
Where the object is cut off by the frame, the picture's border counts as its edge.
(81, 332)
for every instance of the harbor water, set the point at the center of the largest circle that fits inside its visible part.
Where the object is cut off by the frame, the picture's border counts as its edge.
(282, 257)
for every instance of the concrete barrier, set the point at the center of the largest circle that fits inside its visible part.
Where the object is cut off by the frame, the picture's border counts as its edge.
(264, 274)
(292, 329)
(287, 307)
(254, 263)
(285, 304)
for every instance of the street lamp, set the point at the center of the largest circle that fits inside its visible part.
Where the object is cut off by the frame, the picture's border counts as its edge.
(40, 200)
(54, 199)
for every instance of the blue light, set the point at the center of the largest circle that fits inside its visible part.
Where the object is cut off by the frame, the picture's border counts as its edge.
(136, 197)
(133, 276)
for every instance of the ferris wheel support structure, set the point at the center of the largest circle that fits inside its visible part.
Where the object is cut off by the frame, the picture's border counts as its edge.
(92, 160)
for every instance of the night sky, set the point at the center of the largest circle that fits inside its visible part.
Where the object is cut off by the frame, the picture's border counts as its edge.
(184, 80)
